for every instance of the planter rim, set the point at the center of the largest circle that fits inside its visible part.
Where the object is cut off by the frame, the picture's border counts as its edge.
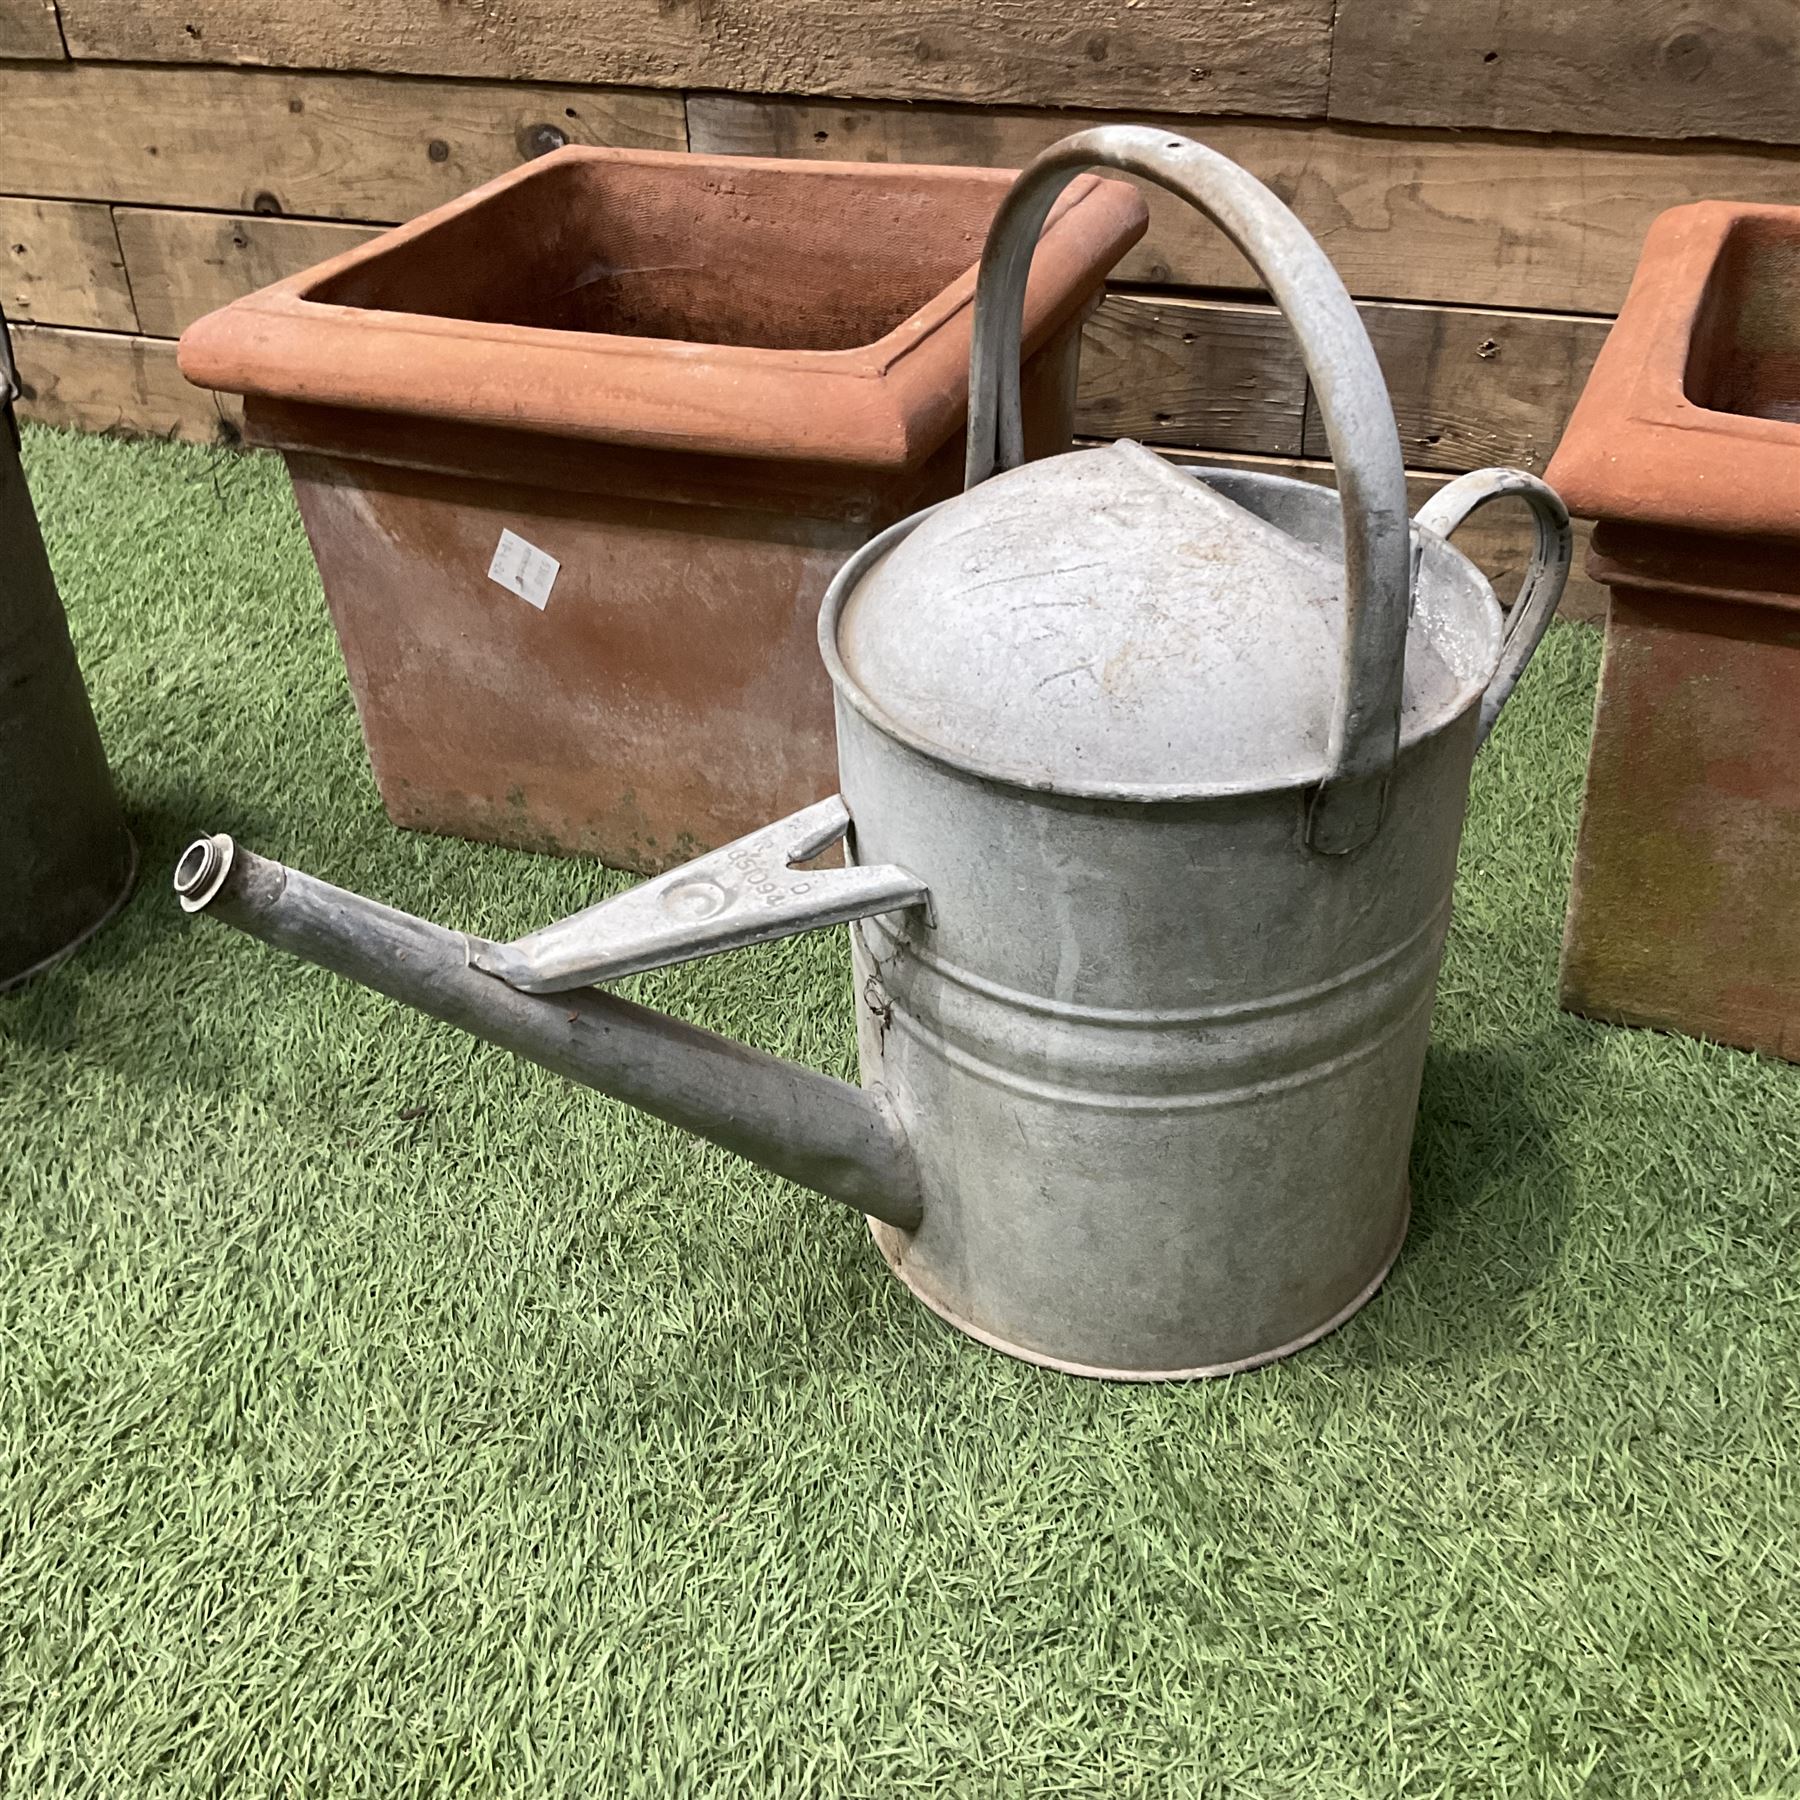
(1636, 448)
(885, 404)
(1696, 564)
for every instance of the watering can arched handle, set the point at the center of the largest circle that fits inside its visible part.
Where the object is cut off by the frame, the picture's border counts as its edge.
(1551, 554)
(1353, 399)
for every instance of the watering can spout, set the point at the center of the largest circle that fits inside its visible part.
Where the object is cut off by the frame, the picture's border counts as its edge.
(820, 1132)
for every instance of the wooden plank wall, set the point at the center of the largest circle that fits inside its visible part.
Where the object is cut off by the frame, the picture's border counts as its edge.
(1481, 173)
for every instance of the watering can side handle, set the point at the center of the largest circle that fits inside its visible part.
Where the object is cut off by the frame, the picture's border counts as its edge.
(1551, 555)
(1346, 810)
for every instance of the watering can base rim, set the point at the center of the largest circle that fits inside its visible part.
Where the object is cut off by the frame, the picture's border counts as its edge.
(114, 907)
(1201, 1372)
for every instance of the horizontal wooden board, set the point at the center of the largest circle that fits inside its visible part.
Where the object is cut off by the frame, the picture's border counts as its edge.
(184, 264)
(60, 265)
(1475, 387)
(1191, 372)
(1497, 539)
(28, 29)
(1471, 387)
(109, 381)
(1485, 220)
(1637, 68)
(1270, 57)
(332, 146)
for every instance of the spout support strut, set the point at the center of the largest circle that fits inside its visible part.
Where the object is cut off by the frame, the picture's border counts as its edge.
(817, 1131)
(750, 892)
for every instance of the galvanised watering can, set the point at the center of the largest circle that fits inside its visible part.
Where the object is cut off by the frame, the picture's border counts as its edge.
(1152, 786)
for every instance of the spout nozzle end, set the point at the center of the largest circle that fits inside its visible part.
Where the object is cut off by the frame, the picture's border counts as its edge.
(202, 870)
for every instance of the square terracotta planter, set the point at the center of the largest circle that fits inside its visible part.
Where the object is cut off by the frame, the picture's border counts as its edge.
(687, 388)
(1685, 446)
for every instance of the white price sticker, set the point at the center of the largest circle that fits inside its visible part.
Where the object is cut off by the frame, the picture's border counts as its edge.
(524, 569)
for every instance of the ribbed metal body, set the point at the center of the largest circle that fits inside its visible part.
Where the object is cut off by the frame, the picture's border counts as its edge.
(1159, 1064)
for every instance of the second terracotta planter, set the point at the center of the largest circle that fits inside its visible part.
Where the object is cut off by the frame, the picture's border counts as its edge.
(1685, 909)
(578, 454)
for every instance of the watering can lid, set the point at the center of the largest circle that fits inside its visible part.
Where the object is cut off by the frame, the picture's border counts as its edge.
(1103, 622)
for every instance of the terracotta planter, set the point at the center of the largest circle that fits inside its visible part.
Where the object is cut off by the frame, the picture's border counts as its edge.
(1686, 448)
(695, 383)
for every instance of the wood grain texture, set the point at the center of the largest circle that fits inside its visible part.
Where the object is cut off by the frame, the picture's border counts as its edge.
(1635, 68)
(1497, 539)
(1191, 372)
(1219, 55)
(60, 265)
(108, 381)
(184, 264)
(28, 30)
(333, 146)
(1482, 220)
(1472, 388)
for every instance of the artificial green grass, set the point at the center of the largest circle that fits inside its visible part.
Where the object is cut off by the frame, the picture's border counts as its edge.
(384, 1417)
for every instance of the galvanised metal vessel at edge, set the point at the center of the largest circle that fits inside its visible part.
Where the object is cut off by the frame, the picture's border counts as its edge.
(1153, 784)
(66, 855)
